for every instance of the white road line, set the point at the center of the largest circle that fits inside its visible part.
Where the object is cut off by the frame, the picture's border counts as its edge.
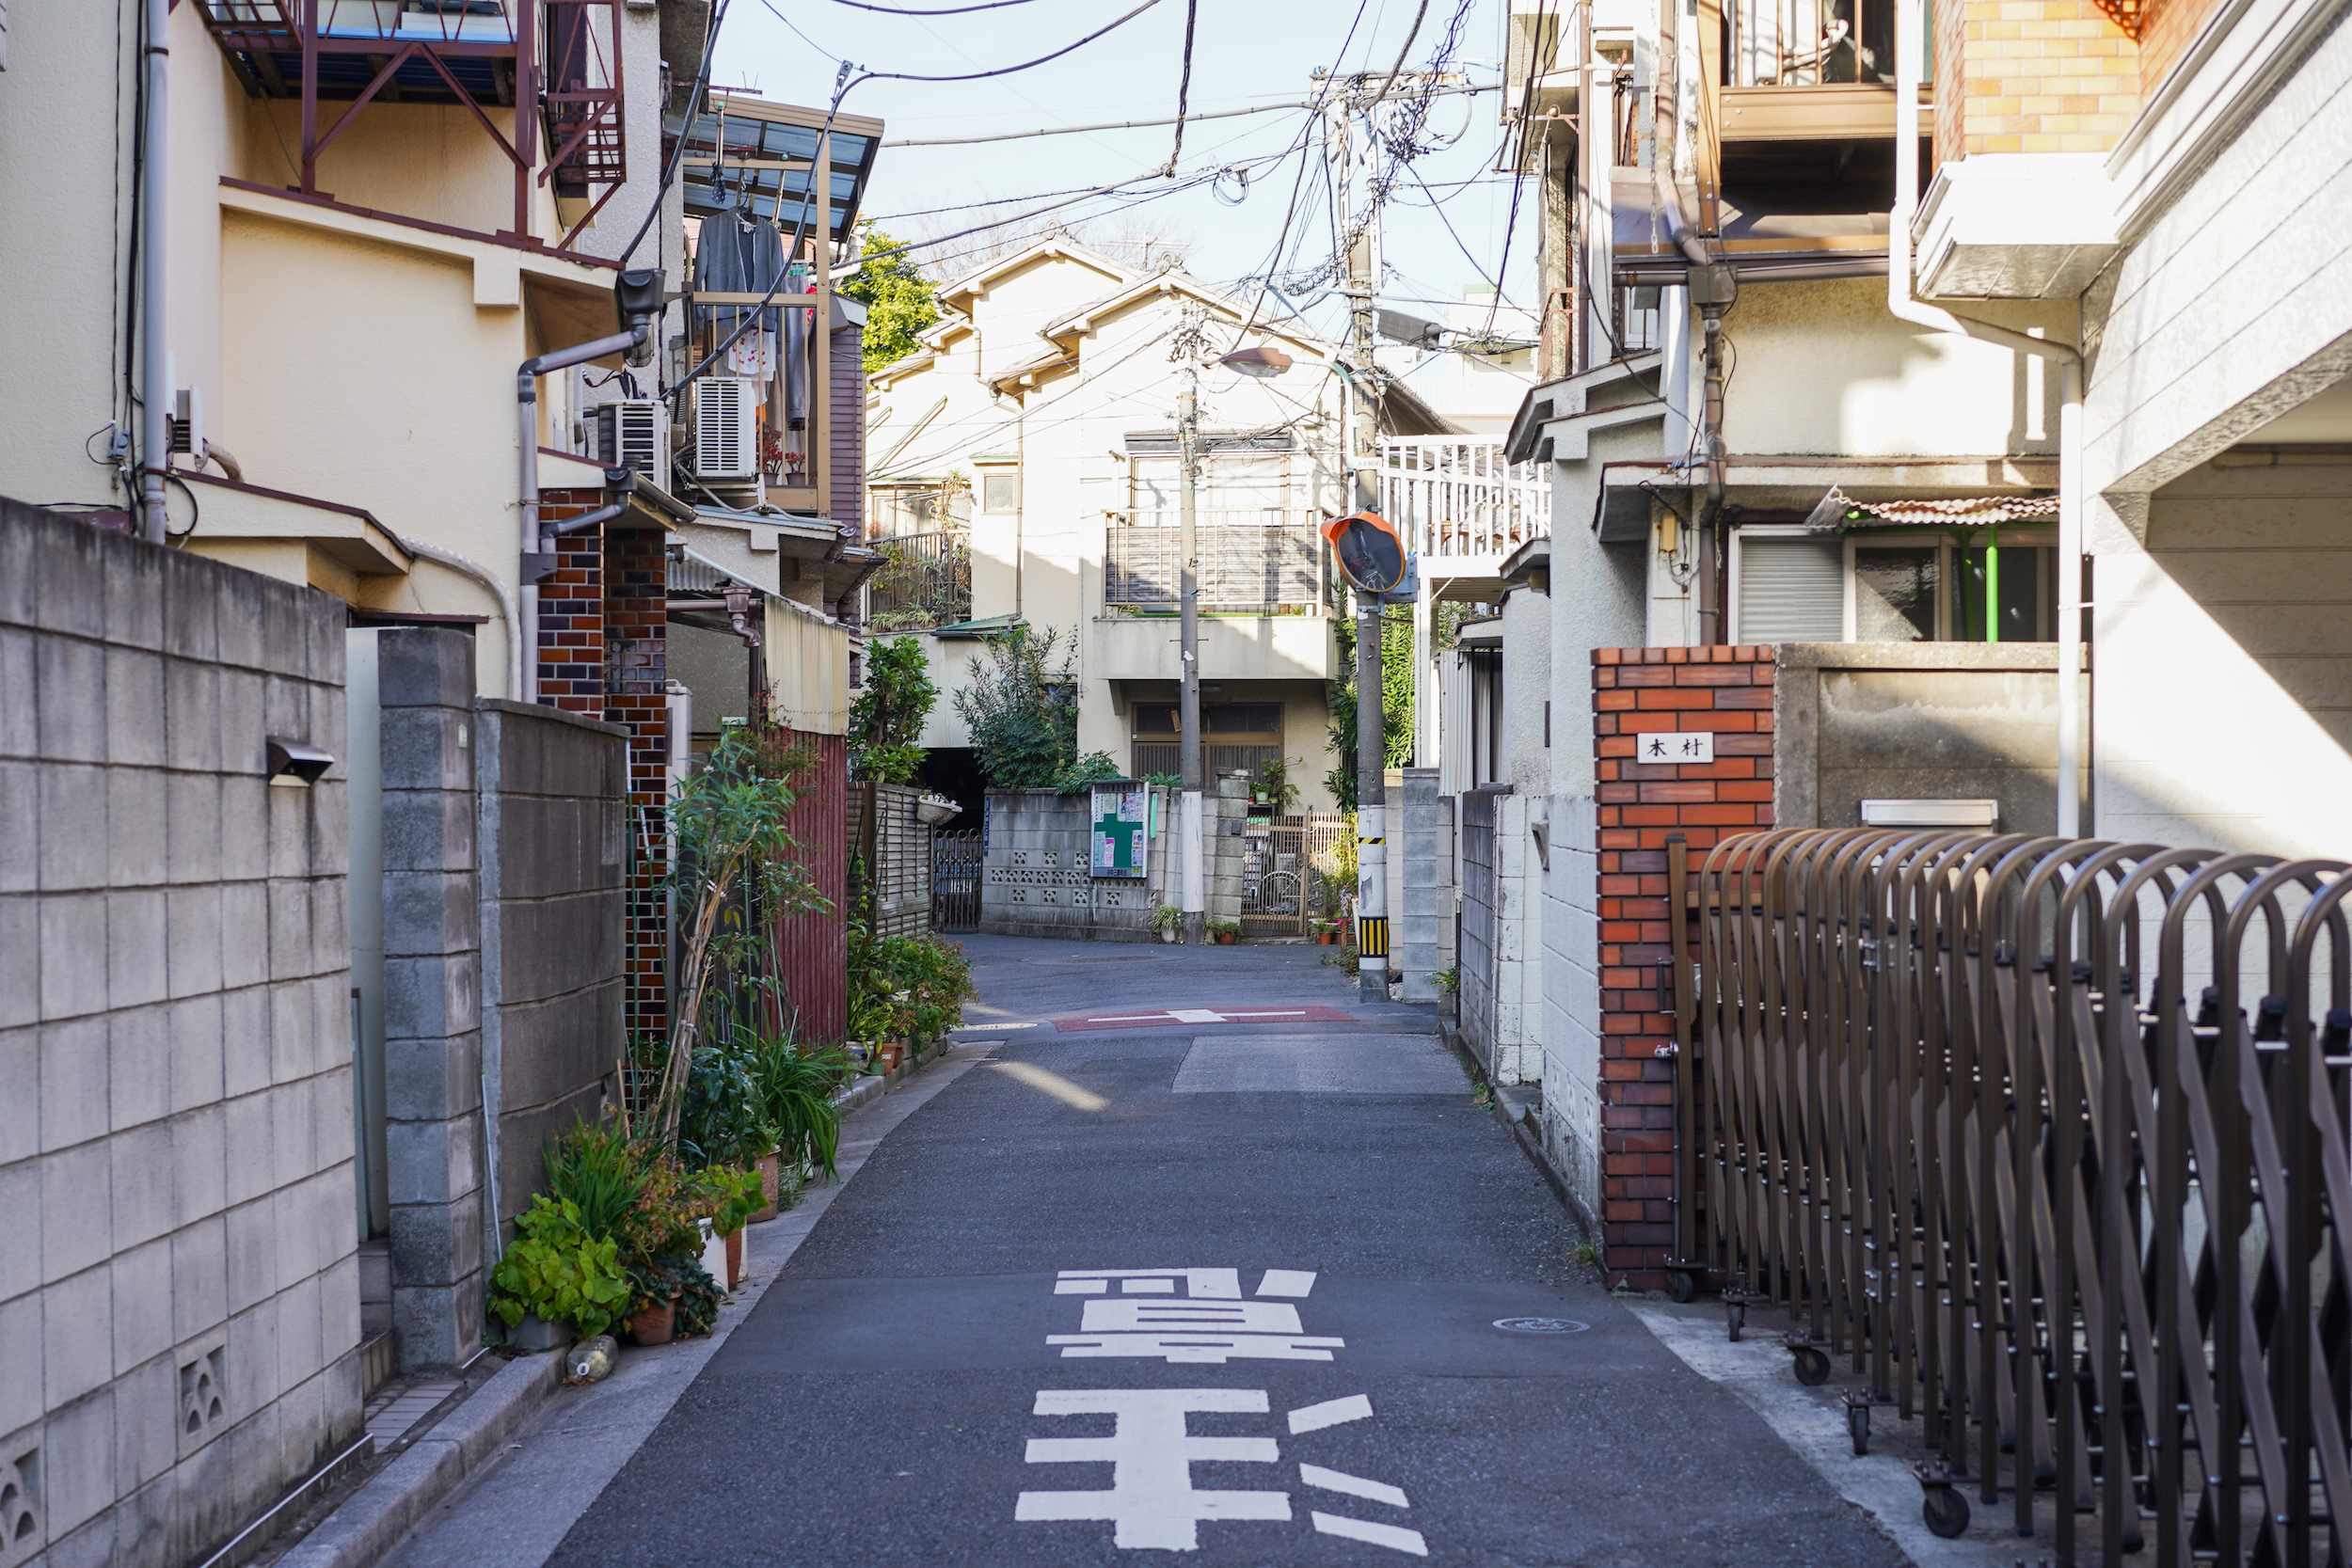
(1355, 1486)
(1331, 1412)
(1394, 1536)
(1126, 1018)
(1287, 1282)
(1203, 1284)
(1195, 1015)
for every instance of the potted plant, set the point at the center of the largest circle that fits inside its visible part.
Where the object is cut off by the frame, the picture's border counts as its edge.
(1270, 786)
(557, 1272)
(1168, 921)
(1226, 933)
(1326, 932)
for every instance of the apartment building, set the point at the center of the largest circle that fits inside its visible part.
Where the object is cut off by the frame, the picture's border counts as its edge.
(1941, 430)
(1025, 471)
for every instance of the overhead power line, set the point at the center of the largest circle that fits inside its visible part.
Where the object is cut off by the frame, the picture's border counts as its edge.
(951, 11)
(1139, 124)
(1007, 70)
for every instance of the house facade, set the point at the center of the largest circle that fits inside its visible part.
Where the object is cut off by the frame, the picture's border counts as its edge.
(1954, 444)
(1025, 470)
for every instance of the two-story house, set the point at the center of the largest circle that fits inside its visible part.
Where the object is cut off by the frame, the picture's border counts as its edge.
(1025, 470)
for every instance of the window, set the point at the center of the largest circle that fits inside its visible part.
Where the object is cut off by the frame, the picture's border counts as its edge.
(1000, 492)
(1916, 585)
(1233, 734)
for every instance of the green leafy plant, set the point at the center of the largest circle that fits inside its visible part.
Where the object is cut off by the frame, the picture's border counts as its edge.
(1448, 979)
(899, 302)
(733, 1195)
(1022, 712)
(680, 1277)
(1085, 771)
(1168, 917)
(557, 1270)
(724, 1120)
(909, 989)
(796, 1087)
(733, 858)
(886, 719)
(601, 1172)
(1272, 780)
(1222, 927)
(1396, 700)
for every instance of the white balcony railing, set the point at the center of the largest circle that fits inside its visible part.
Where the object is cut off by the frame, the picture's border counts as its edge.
(1460, 503)
(1261, 558)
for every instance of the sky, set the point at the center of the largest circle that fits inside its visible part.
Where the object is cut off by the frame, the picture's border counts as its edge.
(1245, 53)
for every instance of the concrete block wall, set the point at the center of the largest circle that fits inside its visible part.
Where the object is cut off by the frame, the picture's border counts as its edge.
(1034, 877)
(1228, 805)
(1637, 692)
(179, 1295)
(432, 994)
(1570, 1018)
(1424, 920)
(551, 823)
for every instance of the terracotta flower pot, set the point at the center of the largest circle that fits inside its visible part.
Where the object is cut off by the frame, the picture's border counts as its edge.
(655, 1324)
(1326, 939)
(1226, 939)
(892, 1054)
(735, 1259)
(771, 1178)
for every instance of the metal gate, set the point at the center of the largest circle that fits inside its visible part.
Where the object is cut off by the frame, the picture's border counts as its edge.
(2046, 1139)
(1286, 862)
(956, 881)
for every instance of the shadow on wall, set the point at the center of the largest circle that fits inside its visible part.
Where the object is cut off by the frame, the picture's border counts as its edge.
(2224, 689)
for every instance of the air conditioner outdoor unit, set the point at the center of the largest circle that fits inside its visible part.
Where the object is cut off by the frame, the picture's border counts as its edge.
(726, 428)
(631, 435)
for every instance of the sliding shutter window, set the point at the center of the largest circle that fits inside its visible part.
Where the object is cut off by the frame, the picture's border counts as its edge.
(1791, 590)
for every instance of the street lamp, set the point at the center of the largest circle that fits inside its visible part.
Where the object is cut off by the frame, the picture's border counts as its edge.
(1363, 544)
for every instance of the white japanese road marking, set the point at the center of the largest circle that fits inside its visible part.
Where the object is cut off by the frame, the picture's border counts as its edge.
(1331, 1412)
(1050, 1083)
(1286, 1282)
(1152, 1500)
(1394, 1536)
(1355, 1486)
(1195, 1331)
(1200, 1284)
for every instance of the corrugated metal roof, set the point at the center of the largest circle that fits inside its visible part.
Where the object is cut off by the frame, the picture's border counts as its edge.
(1838, 512)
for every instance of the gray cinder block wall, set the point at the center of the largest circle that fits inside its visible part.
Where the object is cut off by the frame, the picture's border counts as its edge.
(432, 995)
(179, 1292)
(552, 817)
(1425, 923)
(1035, 880)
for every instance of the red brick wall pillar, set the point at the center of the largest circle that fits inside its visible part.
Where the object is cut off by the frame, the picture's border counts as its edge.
(637, 619)
(1638, 691)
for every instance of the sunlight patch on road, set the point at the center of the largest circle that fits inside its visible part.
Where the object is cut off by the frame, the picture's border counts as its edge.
(1051, 1083)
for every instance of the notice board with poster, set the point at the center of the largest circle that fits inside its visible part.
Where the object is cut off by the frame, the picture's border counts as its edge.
(1119, 828)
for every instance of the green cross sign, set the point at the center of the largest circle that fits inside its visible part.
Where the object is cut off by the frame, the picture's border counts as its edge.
(1119, 838)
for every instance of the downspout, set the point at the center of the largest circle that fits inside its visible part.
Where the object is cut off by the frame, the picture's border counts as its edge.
(155, 402)
(498, 588)
(1908, 59)
(1712, 285)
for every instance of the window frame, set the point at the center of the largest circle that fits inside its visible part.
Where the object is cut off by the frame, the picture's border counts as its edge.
(1946, 542)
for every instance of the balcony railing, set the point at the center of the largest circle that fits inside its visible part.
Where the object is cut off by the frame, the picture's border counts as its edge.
(1460, 503)
(1259, 558)
(926, 580)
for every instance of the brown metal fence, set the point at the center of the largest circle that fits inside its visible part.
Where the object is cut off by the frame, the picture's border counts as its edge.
(956, 881)
(1281, 882)
(1948, 1100)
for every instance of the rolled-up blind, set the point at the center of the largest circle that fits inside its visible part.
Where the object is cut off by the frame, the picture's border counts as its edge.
(1792, 591)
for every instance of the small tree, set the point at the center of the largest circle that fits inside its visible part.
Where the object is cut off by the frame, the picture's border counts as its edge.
(736, 873)
(1396, 701)
(899, 303)
(1024, 713)
(887, 719)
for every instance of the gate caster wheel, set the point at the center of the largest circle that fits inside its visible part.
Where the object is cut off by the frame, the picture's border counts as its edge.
(1682, 1287)
(1945, 1512)
(1812, 1367)
(1858, 1427)
(1736, 1311)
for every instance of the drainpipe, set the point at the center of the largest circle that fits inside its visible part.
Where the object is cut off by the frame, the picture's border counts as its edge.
(155, 405)
(507, 604)
(1908, 59)
(1712, 285)
(538, 554)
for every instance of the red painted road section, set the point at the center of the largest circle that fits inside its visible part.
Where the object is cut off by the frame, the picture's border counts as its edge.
(1195, 1016)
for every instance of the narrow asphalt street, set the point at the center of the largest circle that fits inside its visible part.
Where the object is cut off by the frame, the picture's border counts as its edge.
(1271, 1291)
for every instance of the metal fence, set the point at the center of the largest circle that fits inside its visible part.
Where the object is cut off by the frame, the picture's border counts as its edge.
(2047, 1140)
(925, 580)
(1251, 559)
(956, 881)
(1285, 864)
(1454, 497)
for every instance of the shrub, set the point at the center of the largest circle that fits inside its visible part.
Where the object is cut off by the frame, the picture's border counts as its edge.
(724, 1121)
(910, 989)
(1024, 713)
(556, 1269)
(796, 1087)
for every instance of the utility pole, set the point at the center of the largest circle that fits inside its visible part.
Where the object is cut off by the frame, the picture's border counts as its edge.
(1192, 837)
(1371, 853)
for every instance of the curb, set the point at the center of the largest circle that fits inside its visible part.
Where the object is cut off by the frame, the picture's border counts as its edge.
(372, 1520)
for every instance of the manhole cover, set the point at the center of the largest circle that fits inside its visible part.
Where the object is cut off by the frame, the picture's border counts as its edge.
(1540, 1325)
